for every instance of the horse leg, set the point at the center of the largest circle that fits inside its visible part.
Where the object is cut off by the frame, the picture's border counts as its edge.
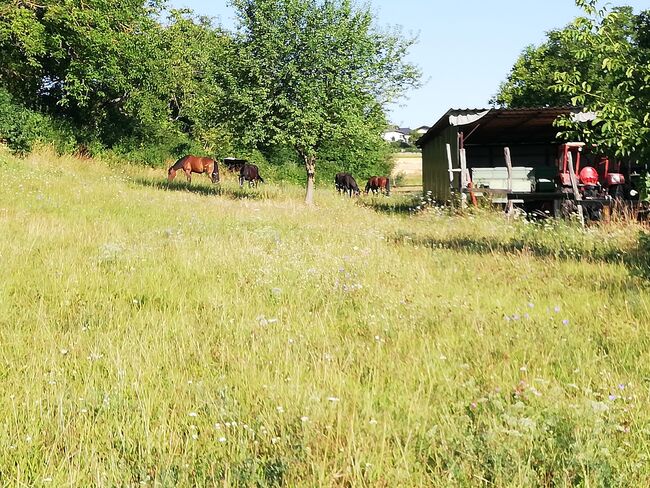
(188, 175)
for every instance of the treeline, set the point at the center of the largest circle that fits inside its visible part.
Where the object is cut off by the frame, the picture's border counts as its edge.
(296, 81)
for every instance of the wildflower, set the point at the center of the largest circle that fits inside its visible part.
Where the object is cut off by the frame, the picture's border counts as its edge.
(222, 439)
(47, 480)
(193, 414)
(275, 440)
(612, 397)
(84, 410)
(279, 409)
(373, 421)
(531, 305)
(195, 436)
(333, 399)
(276, 291)
(621, 386)
(565, 322)
(556, 309)
(217, 426)
(64, 352)
(304, 418)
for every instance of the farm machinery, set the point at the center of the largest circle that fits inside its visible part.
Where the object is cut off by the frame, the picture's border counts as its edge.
(599, 183)
(590, 181)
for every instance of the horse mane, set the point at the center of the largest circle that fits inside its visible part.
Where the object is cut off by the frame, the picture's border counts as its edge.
(178, 164)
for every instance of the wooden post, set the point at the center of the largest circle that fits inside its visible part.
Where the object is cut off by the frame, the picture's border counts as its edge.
(451, 175)
(506, 154)
(574, 186)
(463, 179)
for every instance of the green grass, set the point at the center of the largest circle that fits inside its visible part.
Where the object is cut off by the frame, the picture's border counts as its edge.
(172, 336)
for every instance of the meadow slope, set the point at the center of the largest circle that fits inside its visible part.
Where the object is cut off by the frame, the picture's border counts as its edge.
(171, 336)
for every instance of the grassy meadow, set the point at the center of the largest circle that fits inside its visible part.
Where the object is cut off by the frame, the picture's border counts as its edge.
(160, 335)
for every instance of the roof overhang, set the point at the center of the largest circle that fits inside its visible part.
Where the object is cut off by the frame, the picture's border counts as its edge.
(501, 125)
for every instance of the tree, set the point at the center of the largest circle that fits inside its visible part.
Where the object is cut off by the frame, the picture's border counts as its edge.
(309, 73)
(93, 62)
(622, 100)
(532, 80)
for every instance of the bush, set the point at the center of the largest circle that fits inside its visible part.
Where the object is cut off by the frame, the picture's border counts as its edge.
(22, 128)
(19, 128)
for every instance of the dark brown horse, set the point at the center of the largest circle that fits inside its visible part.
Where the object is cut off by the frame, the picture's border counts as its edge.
(251, 173)
(378, 184)
(194, 164)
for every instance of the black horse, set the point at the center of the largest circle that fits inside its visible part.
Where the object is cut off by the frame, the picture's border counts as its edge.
(345, 183)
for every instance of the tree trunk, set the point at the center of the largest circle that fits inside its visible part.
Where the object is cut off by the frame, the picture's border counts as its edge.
(310, 166)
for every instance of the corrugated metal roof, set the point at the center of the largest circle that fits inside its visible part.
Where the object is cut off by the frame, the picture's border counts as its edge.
(503, 119)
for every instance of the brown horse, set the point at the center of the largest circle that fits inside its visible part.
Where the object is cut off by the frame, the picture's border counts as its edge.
(378, 184)
(194, 164)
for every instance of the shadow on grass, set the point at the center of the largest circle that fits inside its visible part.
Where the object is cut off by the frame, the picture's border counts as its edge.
(487, 245)
(636, 260)
(235, 193)
(390, 205)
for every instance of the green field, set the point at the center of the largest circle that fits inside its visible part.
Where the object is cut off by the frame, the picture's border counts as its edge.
(155, 335)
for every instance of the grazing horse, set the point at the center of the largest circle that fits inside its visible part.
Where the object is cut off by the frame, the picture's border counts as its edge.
(250, 173)
(378, 184)
(345, 183)
(234, 164)
(194, 164)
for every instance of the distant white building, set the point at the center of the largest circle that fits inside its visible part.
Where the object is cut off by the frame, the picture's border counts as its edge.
(422, 129)
(397, 134)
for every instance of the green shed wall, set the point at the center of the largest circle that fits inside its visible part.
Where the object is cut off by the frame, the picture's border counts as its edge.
(435, 168)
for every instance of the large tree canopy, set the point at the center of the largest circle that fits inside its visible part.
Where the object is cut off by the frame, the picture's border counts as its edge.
(309, 72)
(600, 62)
(617, 41)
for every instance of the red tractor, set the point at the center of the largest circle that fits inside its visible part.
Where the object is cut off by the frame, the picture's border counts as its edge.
(590, 180)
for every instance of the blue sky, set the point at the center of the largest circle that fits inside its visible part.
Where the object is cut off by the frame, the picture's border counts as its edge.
(465, 49)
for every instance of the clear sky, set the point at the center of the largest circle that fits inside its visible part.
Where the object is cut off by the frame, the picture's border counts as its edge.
(465, 49)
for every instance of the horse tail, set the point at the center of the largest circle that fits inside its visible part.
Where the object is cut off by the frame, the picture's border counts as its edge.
(260, 178)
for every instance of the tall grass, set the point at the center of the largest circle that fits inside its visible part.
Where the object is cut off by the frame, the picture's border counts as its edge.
(167, 335)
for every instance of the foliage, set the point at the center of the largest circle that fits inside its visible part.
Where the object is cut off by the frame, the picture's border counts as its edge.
(531, 79)
(22, 128)
(617, 42)
(311, 73)
(144, 83)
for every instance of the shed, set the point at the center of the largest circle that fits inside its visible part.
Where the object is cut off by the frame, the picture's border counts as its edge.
(483, 133)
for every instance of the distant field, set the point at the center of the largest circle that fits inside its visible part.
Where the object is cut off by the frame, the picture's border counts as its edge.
(156, 335)
(409, 166)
